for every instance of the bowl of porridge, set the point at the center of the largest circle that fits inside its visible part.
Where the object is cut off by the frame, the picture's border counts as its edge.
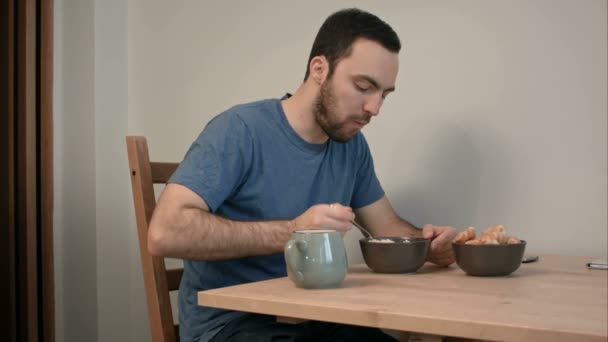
(394, 254)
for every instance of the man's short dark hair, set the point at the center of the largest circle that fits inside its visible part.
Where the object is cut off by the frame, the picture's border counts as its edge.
(340, 30)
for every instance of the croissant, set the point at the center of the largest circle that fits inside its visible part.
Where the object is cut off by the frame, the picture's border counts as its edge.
(513, 240)
(496, 228)
(465, 235)
(493, 235)
(489, 240)
(498, 236)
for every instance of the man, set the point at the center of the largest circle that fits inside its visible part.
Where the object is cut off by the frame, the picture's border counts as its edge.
(261, 170)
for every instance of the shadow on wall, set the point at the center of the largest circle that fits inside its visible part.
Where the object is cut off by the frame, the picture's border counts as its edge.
(458, 177)
(353, 250)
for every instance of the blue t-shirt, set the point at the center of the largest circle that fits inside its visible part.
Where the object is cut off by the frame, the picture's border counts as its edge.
(249, 164)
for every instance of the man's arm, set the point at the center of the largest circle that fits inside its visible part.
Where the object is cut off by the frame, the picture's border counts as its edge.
(182, 227)
(380, 219)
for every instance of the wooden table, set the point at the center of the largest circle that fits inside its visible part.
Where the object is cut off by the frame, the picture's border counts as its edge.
(554, 299)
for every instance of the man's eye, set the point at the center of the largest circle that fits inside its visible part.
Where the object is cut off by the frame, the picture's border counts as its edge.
(361, 88)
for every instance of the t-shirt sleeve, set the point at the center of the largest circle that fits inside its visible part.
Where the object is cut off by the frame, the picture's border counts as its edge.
(367, 187)
(218, 160)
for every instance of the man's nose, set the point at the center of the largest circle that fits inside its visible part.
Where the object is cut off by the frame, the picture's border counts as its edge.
(372, 105)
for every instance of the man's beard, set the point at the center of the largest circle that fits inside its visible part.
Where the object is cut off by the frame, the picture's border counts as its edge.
(325, 114)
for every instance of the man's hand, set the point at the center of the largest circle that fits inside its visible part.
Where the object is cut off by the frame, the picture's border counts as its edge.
(325, 216)
(441, 252)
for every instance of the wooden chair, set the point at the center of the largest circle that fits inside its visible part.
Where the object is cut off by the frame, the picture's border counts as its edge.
(159, 281)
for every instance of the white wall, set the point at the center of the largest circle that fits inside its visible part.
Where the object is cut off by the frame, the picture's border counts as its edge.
(98, 274)
(120, 293)
(74, 222)
(500, 116)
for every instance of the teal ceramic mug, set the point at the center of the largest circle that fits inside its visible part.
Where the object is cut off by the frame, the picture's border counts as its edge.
(316, 259)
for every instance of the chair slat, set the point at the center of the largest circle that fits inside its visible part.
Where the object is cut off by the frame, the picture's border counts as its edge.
(161, 172)
(157, 281)
(174, 276)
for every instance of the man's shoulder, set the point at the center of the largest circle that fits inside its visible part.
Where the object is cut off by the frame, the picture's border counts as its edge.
(252, 110)
(242, 116)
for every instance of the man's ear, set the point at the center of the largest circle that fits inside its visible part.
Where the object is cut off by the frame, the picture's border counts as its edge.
(319, 68)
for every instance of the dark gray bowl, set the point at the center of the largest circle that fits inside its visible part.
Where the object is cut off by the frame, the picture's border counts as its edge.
(489, 260)
(403, 255)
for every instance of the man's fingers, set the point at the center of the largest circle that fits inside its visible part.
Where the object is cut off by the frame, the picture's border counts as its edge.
(338, 217)
(440, 242)
(334, 225)
(337, 207)
(442, 259)
(441, 249)
(428, 231)
(340, 212)
(443, 238)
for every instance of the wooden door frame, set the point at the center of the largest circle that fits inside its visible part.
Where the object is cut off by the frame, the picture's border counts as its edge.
(47, 26)
(27, 292)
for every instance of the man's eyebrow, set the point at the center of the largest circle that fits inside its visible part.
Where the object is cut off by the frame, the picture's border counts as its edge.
(374, 83)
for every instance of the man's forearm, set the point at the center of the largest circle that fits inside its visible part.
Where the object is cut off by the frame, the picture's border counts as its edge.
(199, 235)
(401, 227)
(412, 230)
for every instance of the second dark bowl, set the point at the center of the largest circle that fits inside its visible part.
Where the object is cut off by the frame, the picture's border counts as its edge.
(489, 260)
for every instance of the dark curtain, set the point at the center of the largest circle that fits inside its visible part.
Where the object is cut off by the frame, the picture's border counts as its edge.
(26, 171)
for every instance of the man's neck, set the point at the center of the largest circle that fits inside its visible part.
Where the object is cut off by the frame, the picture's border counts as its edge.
(299, 110)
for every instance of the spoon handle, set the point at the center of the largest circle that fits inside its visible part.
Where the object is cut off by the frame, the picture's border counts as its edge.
(363, 230)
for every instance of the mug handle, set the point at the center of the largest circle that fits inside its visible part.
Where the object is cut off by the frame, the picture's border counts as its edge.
(292, 254)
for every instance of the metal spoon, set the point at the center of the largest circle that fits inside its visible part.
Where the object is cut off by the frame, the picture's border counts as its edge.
(363, 230)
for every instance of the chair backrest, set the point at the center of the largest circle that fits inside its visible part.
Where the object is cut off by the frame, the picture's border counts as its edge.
(158, 280)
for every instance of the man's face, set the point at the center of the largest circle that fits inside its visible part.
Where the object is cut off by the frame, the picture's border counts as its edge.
(354, 93)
